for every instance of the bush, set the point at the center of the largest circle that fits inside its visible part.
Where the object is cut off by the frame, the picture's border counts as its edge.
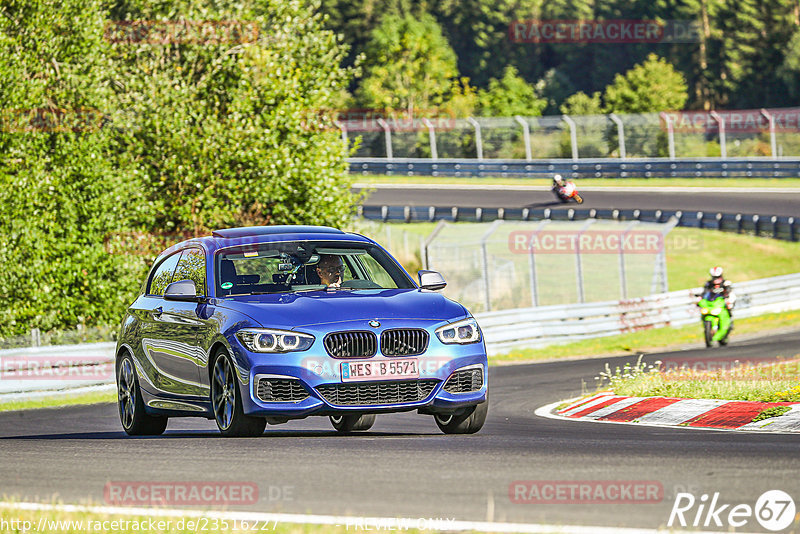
(104, 137)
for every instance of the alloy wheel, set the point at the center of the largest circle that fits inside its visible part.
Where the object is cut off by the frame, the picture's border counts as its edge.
(126, 393)
(224, 392)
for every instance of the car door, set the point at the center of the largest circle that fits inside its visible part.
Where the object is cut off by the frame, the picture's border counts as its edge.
(190, 325)
(170, 331)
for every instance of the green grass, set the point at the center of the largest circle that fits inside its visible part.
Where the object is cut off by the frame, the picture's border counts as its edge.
(80, 522)
(646, 340)
(691, 252)
(588, 182)
(769, 413)
(58, 402)
(775, 382)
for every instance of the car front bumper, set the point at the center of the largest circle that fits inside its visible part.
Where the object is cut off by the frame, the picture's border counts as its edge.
(319, 375)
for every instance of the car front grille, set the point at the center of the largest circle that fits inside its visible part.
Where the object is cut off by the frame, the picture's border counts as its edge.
(351, 344)
(464, 381)
(376, 393)
(280, 390)
(404, 342)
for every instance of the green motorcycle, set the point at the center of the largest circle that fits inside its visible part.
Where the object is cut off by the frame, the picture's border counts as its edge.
(716, 318)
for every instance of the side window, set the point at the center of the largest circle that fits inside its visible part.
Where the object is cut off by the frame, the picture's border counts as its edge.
(192, 267)
(162, 276)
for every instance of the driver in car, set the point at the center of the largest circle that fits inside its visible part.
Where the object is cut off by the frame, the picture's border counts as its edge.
(330, 270)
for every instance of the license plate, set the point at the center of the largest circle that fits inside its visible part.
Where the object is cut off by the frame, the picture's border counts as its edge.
(380, 369)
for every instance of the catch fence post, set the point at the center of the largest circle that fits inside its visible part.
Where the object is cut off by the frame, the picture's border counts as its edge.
(772, 141)
(387, 132)
(620, 134)
(526, 136)
(579, 261)
(670, 133)
(432, 137)
(532, 264)
(573, 135)
(623, 277)
(478, 138)
(485, 263)
(723, 146)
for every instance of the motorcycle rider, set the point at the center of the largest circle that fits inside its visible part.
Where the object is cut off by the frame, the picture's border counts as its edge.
(718, 284)
(564, 188)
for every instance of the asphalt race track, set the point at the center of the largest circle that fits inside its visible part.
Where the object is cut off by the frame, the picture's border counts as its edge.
(405, 468)
(786, 203)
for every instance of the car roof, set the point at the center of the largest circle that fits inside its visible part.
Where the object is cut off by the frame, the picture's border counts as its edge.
(251, 235)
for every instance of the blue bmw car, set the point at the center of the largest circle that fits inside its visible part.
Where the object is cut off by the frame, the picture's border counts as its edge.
(261, 325)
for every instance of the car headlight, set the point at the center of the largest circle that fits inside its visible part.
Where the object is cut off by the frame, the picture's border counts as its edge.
(462, 332)
(264, 340)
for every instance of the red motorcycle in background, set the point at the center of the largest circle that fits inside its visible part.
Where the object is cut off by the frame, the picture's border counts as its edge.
(565, 190)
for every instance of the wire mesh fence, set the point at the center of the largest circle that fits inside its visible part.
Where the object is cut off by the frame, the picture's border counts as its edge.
(745, 133)
(515, 264)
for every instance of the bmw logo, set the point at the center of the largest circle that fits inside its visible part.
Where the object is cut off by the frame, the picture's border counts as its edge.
(374, 324)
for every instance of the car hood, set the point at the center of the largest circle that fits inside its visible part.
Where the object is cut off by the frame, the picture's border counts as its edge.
(292, 310)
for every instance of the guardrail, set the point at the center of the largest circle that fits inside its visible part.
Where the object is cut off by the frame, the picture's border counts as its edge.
(44, 371)
(55, 370)
(548, 325)
(752, 167)
(774, 226)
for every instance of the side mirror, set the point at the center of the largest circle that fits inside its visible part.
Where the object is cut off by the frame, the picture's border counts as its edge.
(431, 280)
(183, 290)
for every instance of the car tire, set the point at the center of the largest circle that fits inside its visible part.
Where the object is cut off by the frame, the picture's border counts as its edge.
(352, 423)
(135, 420)
(226, 401)
(467, 422)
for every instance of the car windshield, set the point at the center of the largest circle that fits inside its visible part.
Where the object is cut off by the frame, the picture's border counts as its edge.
(294, 266)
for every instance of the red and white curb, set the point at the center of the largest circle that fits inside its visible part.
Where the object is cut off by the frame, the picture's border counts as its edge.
(606, 407)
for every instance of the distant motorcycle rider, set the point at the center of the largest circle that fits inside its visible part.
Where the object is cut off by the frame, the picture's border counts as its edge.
(718, 284)
(565, 188)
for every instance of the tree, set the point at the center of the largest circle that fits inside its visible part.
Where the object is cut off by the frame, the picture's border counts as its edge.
(582, 104)
(479, 33)
(591, 129)
(654, 85)
(755, 34)
(60, 194)
(111, 130)
(789, 70)
(409, 66)
(509, 96)
(231, 131)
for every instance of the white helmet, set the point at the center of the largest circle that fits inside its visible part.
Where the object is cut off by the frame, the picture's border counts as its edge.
(715, 272)
(558, 179)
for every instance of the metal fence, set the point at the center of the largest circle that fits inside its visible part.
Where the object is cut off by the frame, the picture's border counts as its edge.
(37, 371)
(773, 226)
(502, 330)
(516, 264)
(584, 168)
(547, 325)
(672, 135)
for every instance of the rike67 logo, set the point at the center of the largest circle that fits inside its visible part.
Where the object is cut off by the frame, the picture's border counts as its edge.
(774, 510)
